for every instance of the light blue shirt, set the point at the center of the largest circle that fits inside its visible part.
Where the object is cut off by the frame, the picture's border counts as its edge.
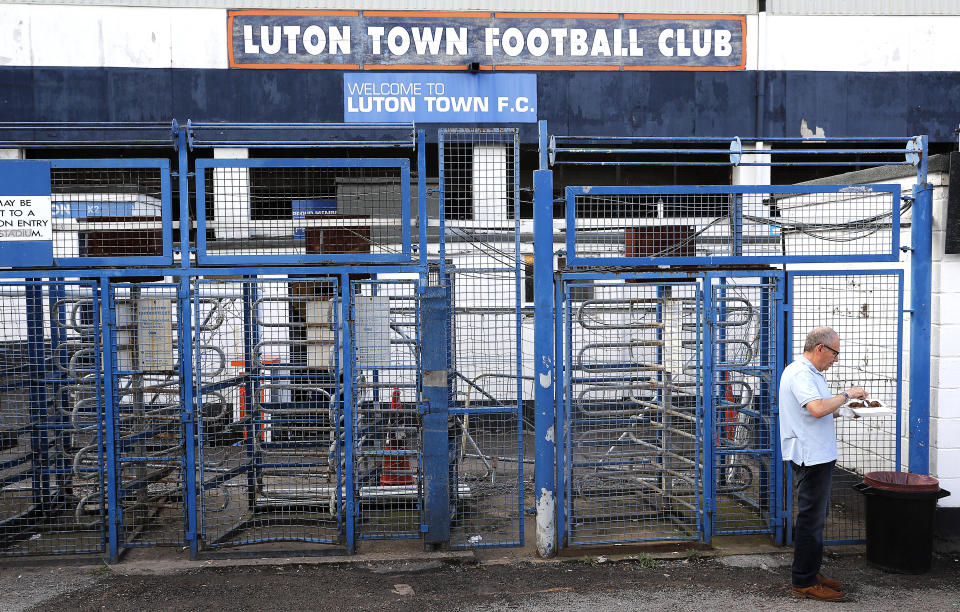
(805, 439)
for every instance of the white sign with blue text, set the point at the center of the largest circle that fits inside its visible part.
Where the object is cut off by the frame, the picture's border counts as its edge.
(26, 224)
(424, 97)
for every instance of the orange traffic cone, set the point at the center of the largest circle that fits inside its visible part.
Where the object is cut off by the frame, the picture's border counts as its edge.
(396, 468)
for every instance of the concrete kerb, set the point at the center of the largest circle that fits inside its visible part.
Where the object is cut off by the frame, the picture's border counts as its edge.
(767, 556)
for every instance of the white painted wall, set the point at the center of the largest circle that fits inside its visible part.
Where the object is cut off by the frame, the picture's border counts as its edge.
(945, 355)
(151, 37)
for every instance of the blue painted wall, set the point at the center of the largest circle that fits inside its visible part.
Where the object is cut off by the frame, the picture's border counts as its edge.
(608, 103)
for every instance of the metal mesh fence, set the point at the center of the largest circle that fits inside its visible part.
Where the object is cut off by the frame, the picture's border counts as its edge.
(107, 212)
(744, 365)
(632, 452)
(348, 207)
(386, 420)
(51, 420)
(480, 215)
(267, 366)
(147, 414)
(865, 310)
(716, 222)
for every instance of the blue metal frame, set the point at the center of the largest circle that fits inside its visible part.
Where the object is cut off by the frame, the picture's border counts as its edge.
(546, 428)
(915, 445)
(203, 258)
(166, 213)
(109, 420)
(108, 286)
(921, 239)
(508, 137)
(565, 415)
(768, 505)
(734, 190)
(435, 373)
(248, 287)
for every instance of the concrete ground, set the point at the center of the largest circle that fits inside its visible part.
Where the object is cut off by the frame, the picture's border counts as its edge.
(733, 576)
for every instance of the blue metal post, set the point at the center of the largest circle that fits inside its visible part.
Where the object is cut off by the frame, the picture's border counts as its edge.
(188, 414)
(442, 206)
(544, 370)
(39, 442)
(346, 342)
(422, 217)
(251, 386)
(562, 402)
(765, 404)
(435, 365)
(707, 410)
(778, 320)
(899, 449)
(58, 376)
(920, 297)
(109, 419)
(787, 353)
(544, 138)
(183, 175)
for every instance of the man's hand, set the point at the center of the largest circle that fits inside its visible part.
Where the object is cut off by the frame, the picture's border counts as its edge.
(857, 393)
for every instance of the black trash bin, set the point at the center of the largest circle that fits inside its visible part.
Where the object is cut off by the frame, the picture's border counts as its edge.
(900, 509)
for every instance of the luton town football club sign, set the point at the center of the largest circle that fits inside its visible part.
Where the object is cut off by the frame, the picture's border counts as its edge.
(377, 40)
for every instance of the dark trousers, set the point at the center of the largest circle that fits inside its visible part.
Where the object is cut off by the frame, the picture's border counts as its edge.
(813, 502)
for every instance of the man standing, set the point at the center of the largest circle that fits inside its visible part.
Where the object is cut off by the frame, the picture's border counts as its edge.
(808, 441)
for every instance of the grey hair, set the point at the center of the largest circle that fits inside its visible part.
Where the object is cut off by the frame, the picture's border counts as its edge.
(820, 335)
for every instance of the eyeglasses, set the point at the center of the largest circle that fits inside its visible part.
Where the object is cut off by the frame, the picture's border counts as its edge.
(836, 353)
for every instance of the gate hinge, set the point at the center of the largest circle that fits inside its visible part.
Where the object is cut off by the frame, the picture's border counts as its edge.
(906, 249)
(424, 528)
(423, 407)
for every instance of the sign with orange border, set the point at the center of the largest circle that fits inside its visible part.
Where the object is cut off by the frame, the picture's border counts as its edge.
(422, 40)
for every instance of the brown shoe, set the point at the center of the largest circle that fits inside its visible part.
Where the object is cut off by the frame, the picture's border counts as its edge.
(818, 591)
(836, 585)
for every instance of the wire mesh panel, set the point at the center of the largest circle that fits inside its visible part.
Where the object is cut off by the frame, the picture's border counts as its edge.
(147, 413)
(631, 456)
(639, 225)
(51, 420)
(111, 212)
(303, 210)
(267, 365)
(479, 183)
(386, 420)
(744, 436)
(865, 308)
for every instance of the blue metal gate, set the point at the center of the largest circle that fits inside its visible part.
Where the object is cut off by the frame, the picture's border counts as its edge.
(324, 349)
(630, 425)
(53, 448)
(143, 359)
(744, 316)
(270, 428)
(480, 260)
(865, 307)
(743, 253)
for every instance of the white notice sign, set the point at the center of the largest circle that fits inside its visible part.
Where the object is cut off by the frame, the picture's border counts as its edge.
(24, 218)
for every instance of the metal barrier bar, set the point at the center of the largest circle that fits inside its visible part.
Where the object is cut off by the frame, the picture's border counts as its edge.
(51, 134)
(720, 225)
(360, 224)
(95, 225)
(307, 135)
